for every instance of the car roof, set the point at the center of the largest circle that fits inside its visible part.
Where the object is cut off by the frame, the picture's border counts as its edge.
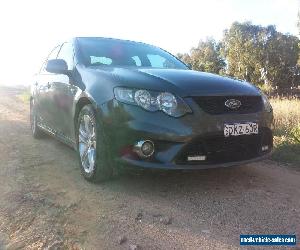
(111, 38)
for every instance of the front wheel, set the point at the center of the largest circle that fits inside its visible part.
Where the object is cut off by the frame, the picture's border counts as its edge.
(91, 147)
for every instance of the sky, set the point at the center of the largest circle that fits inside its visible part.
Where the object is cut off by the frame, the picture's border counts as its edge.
(29, 29)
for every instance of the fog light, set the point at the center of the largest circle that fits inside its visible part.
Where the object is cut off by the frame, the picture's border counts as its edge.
(144, 149)
(265, 148)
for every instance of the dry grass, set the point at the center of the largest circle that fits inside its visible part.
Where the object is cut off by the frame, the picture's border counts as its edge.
(287, 115)
(287, 130)
(25, 95)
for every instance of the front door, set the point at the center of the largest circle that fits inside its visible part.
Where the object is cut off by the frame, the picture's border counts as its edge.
(44, 94)
(64, 91)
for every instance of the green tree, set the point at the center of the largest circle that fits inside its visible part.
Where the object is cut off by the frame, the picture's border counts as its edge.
(205, 57)
(281, 56)
(260, 54)
(185, 58)
(298, 25)
(243, 51)
(298, 22)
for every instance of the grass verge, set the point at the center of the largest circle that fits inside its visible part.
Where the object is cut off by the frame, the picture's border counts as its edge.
(287, 130)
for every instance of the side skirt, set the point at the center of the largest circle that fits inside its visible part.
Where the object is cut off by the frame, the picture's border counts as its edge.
(59, 136)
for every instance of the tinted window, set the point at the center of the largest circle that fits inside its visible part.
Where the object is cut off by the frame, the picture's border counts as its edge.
(137, 61)
(101, 60)
(52, 55)
(66, 53)
(158, 61)
(111, 52)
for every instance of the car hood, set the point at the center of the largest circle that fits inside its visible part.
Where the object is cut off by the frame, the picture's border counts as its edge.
(181, 82)
(195, 83)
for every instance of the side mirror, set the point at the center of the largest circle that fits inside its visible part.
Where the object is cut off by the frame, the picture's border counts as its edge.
(57, 66)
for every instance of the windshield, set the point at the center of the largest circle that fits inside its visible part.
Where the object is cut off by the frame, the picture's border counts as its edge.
(119, 53)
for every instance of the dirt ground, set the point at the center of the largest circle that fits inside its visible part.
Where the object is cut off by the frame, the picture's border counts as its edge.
(46, 204)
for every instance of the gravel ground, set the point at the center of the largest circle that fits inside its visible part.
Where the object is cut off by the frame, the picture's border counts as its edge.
(46, 204)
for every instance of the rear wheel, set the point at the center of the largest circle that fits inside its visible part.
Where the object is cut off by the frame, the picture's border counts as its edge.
(91, 147)
(35, 130)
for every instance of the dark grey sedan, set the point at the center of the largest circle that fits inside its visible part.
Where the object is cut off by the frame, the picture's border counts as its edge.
(118, 101)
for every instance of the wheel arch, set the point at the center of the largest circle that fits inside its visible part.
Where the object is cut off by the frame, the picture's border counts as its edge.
(79, 105)
(83, 101)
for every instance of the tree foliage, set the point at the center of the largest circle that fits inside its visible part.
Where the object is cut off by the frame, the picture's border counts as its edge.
(257, 54)
(205, 57)
(260, 54)
(298, 22)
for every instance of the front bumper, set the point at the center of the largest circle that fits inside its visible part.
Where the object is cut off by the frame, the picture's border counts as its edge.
(171, 165)
(175, 139)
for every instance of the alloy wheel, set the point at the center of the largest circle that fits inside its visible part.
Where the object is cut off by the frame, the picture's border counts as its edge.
(87, 143)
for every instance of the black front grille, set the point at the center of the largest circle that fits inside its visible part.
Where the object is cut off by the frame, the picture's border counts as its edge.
(220, 149)
(216, 104)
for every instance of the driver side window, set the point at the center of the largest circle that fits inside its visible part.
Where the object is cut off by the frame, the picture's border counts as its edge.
(158, 61)
(52, 55)
(66, 53)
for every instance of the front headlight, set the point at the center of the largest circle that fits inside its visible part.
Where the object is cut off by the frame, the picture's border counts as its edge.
(143, 99)
(267, 104)
(167, 103)
(153, 101)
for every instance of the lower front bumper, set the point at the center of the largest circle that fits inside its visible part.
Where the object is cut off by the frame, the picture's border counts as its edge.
(170, 165)
(217, 151)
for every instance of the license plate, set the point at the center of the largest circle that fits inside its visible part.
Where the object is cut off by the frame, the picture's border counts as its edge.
(237, 129)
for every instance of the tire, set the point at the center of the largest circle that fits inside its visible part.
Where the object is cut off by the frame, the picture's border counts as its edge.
(35, 130)
(93, 160)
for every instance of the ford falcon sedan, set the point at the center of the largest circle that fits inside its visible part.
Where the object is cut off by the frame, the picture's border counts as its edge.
(120, 102)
